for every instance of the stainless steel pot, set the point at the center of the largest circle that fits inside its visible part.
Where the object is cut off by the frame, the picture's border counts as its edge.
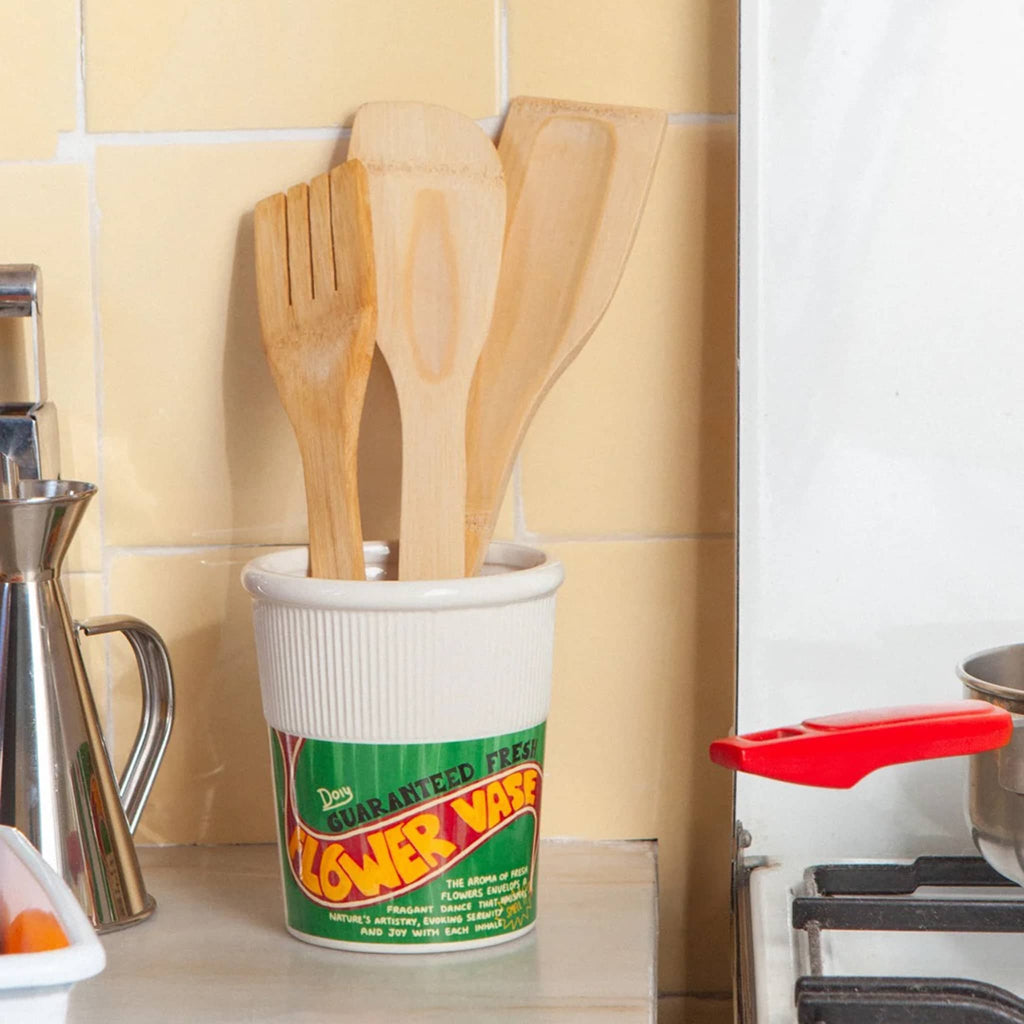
(995, 778)
(838, 750)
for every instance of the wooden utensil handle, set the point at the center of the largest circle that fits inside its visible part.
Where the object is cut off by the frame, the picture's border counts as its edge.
(332, 505)
(485, 491)
(432, 540)
(479, 531)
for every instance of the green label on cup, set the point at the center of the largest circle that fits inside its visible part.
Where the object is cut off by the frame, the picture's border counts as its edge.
(409, 844)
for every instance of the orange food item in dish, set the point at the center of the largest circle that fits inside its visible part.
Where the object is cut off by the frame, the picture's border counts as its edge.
(34, 931)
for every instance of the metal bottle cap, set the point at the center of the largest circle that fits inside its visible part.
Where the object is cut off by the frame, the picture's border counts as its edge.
(28, 426)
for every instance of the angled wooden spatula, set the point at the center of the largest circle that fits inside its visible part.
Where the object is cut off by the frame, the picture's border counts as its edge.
(317, 300)
(438, 204)
(577, 176)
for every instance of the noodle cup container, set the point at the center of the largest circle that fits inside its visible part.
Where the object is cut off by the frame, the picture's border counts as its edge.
(407, 741)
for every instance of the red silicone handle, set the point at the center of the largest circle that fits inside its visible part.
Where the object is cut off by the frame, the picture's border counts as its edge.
(838, 750)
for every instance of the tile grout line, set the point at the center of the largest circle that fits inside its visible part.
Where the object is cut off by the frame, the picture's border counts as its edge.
(240, 136)
(168, 550)
(72, 146)
(697, 118)
(522, 535)
(220, 136)
(504, 88)
(313, 133)
(530, 537)
(85, 148)
(503, 56)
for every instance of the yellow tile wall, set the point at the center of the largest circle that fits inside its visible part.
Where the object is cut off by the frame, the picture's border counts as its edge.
(38, 76)
(131, 178)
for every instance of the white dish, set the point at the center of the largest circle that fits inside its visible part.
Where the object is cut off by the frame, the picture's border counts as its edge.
(35, 986)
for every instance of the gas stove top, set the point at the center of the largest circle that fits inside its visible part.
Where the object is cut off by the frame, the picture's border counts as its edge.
(937, 940)
(881, 438)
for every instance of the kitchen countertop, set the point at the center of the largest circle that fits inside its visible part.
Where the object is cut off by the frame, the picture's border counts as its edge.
(216, 950)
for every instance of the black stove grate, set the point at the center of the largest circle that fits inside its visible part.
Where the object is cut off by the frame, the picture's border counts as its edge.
(904, 1001)
(879, 897)
(904, 879)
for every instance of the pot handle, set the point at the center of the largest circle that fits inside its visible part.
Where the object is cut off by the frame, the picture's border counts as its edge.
(157, 708)
(836, 751)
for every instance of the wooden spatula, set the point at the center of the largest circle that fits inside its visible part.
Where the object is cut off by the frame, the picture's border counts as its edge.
(577, 177)
(317, 300)
(438, 202)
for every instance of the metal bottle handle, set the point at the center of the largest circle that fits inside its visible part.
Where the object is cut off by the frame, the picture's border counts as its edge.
(157, 708)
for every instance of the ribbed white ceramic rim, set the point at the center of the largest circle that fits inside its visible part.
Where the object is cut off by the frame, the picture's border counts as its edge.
(512, 573)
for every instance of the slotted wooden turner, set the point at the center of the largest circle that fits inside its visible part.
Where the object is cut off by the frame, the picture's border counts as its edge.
(317, 300)
(577, 176)
(438, 202)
